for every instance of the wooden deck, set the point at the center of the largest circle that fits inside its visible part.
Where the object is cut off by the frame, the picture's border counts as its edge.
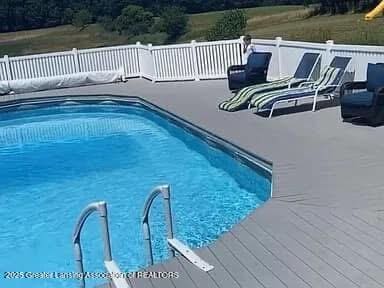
(325, 224)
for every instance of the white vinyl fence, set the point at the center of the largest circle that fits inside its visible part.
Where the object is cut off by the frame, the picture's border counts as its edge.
(191, 61)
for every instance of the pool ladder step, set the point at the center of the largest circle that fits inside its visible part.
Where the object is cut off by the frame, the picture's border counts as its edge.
(174, 245)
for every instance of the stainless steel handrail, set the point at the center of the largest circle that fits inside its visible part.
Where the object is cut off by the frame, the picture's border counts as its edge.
(101, 208)
(173, 244)
(165, 191)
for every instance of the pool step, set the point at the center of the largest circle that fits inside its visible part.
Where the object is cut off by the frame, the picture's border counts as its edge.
(189, 255)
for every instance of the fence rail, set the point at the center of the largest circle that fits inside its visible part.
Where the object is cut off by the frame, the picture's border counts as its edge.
(191, 61)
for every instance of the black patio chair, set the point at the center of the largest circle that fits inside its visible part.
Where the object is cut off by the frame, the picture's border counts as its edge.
(254, 72)
(368, 103)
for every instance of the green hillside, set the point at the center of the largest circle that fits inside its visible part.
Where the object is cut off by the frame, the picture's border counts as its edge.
(289, 22)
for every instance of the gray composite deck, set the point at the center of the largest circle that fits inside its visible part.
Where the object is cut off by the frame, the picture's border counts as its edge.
(324, 226)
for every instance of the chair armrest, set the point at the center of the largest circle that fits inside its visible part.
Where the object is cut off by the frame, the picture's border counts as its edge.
(357, 85)
(306, 83)
(236, 68)
(292, 81)
(325, 86)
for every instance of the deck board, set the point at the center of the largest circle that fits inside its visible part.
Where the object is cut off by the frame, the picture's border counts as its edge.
(160, 282)
(328, 256)
(198, 278)
(282, 271)
(252, 264)
(220, 273)
(325, 224)
(234, 266)
(338, 248)
(183, 280)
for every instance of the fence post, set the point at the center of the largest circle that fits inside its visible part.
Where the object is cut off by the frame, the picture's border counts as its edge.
(7, 68)
(279, 60)
(153, 63)
(241, 41)
(328, 52)
(194, 59)
(138, 44)
(76, 60)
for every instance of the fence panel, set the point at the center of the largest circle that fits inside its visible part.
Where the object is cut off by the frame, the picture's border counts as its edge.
(173, 62)
(3, 70)
(110, 58)
(214, 58)
(361, 56)
(42, 65)
(205, 60)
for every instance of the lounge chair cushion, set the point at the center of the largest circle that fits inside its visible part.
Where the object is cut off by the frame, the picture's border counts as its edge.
(358, 99)
(330, 76)
(241, 98)
(375, 76)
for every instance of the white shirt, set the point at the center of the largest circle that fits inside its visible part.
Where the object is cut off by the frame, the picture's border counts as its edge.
(250, 49)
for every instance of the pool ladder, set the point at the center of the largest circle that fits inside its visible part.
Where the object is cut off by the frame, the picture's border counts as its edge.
(174, 245)
(109, 263)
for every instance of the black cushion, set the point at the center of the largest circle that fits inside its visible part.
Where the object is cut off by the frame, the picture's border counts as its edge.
(375, 76)
(257, 62)
(358, 99)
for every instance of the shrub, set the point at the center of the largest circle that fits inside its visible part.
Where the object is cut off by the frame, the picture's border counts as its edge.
(134, 20)
(82, 18)
(231, 25)
(107, 23)
(173, 21)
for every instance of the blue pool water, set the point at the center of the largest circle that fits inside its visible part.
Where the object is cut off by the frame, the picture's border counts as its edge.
(56, 160)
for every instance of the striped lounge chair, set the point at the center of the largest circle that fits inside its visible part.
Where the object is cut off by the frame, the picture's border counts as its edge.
(304, 72)
(330, 80)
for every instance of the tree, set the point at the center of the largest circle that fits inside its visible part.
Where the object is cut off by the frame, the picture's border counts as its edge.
(29, 14)
(68, 16)
(231, 25)
(82, 18)
(173, 21)
(107, 23)
(134, 20)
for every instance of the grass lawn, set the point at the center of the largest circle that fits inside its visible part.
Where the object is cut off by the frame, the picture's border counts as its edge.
(289, 22)
(343, 29)
(56, 39)
(200, 23)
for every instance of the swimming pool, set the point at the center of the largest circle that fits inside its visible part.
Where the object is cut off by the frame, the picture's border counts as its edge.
(55, 160)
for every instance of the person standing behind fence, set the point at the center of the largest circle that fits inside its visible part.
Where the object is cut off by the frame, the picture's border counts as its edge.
(248, 48)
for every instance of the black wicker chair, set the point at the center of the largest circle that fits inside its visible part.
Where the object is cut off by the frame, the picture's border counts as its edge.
(254, 72)
(368, 103)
